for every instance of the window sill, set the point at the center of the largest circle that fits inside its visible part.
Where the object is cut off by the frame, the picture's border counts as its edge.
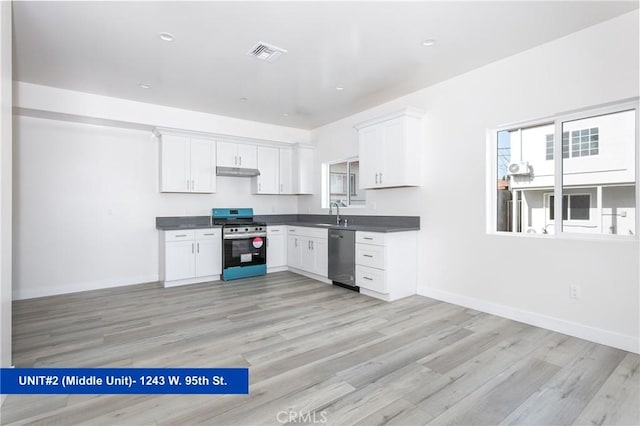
(569, 236)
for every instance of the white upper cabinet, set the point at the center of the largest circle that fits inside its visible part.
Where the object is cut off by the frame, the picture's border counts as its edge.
(231, 154)
(187, 164)
(227, 154)
(303, 170)
(390, 154)
(248, 156)
(286, 171)
(268, 182)
(203, 165)
(189, 161)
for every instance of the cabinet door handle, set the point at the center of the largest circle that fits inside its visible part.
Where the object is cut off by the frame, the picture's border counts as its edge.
(367, 278)
(181, 235)
(376, 178)
(295, 242)
(240, 157)
(188, 187)
(259, 187)
(380, 177)
(235, 160)
(367, 255)
(192, 248)
(193, 185)
(198, 247)
(312, 245)
(281, 190)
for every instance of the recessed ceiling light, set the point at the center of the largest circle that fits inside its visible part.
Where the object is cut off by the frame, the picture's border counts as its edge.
(144, 86)
(286, 114)
(429, 42)
(339, 88)
(243, 99)
(166, 36)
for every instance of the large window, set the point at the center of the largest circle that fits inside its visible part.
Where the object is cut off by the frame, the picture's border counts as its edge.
(342, 181)
(580, 167)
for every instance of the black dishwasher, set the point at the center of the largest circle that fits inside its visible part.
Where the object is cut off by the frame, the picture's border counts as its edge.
(342, 258)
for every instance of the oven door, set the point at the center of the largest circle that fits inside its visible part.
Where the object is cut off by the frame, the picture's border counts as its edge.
(245, 251)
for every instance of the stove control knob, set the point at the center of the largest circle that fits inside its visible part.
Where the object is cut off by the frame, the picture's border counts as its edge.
(246, 229)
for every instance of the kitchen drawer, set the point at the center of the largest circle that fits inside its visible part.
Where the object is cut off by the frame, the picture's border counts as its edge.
(181, 235)
(308, 232)
(369, 255)
(371, 279)
(208, 234)
(277, 230)
(375, 238)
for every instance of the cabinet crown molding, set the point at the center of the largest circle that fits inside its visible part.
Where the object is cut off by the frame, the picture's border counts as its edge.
(403, 112)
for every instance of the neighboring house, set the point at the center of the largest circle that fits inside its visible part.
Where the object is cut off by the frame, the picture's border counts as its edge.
(598, 176)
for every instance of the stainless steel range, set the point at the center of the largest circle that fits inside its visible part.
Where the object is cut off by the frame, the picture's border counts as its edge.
(244, 243)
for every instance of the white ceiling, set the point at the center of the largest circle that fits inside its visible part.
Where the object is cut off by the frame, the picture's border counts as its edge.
(372, 49)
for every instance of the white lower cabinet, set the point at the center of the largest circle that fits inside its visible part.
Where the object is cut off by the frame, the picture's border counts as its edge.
(191, 256)
(276, 248)
(179, 261)
(307, 250)
(387, 264)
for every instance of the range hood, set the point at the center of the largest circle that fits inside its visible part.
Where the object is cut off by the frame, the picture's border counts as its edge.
(237, 172)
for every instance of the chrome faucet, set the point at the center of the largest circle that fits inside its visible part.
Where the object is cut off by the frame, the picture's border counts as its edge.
(331, 204)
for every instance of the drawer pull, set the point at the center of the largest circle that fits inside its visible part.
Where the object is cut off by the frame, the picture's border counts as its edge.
(367, 238)
(275, 230)
(367, 255)
(181, 235)
(367, 278)
(207, 234)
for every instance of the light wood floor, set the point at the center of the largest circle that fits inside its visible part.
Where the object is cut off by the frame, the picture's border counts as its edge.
(315, 348)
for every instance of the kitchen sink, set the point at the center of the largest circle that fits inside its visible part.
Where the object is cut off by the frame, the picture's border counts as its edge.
(325, 224)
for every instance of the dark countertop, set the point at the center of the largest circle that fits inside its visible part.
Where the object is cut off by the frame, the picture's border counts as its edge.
(366, 228)
(185, 226)
(356, 222)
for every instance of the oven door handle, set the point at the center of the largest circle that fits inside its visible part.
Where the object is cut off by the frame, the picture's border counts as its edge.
(244, 236)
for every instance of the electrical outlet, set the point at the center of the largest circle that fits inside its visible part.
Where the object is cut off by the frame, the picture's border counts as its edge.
(575, 291)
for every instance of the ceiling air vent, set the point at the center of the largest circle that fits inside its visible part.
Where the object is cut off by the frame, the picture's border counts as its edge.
(266, 52)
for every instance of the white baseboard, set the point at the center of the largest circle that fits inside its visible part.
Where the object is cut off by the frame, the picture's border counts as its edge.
(277, 269)
(597, 335)
(30, 293)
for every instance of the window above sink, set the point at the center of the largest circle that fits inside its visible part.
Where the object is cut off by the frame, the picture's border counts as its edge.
(340, 183)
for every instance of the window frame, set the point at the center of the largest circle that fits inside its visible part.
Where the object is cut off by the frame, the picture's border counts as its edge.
(326, 183)
(491, 152)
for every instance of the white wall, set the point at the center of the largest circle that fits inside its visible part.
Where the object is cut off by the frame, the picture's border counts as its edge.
(86, 199)
(5, 184)
(522, 278)
(72, 105)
